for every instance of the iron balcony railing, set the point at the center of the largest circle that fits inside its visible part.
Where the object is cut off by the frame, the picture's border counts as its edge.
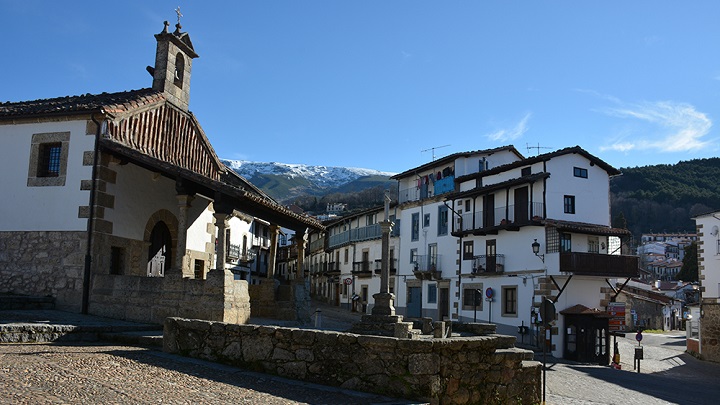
(427, 263)
(235, 253)
(362, 269)
(603, 265)
(483, 264)
(333, 267)
(393, 266)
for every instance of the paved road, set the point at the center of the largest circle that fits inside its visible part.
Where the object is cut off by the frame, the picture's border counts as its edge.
(668, 376)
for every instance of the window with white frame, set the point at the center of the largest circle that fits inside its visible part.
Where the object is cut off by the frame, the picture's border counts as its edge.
(593, 244)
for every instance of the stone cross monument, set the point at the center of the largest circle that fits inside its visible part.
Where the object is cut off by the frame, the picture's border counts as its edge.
(384, 300)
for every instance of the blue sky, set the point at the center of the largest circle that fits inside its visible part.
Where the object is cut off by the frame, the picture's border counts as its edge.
(375, 83)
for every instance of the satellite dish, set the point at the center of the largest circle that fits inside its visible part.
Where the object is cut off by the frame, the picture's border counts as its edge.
(714, 231)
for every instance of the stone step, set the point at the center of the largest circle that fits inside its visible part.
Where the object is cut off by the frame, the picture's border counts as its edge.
(135, 338)
(25, 302)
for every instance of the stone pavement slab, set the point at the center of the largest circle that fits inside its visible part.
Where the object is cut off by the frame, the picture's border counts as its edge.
(56, 373)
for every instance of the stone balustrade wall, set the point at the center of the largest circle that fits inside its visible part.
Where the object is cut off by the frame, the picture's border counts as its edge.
(463, 370)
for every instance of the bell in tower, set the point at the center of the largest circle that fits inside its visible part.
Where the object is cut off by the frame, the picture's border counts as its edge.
(173, 65)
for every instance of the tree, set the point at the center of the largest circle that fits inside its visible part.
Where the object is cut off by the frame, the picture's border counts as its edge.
(689, 270)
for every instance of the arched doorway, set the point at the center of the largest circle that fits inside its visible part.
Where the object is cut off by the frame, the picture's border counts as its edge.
(160, 248)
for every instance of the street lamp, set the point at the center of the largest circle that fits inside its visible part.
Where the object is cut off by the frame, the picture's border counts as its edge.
(536, 250)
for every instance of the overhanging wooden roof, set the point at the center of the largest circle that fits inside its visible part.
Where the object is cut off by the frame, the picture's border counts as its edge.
(144, 128)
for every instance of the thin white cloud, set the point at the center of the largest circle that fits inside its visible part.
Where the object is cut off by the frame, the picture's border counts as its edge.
(680, 127)
(510, 134)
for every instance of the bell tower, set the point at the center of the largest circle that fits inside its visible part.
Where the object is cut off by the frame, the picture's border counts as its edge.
(173, 65)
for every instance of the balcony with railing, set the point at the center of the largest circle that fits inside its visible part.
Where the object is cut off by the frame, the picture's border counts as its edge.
(261, 241)
(506, 217)
(488, 264)
(316, 245)
(355, 235)
(602, 265)
(393, 266)
(427, 267)
(361, 269)
(432, 188)
(333, 269)
(235, 254)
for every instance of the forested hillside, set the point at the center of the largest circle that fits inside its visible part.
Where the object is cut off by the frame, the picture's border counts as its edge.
(664, 198)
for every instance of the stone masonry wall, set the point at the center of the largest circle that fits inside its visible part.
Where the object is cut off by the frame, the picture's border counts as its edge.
(152, 299)
(710, 332)
(44, 264)
(470, 370)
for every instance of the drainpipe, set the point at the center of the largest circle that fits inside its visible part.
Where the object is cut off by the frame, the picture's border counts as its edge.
(91, 216)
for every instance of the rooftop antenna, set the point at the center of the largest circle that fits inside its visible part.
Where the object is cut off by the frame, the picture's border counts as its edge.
(537, 148)
(433, 150)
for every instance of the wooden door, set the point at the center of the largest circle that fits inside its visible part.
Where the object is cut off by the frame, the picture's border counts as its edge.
(521, 205)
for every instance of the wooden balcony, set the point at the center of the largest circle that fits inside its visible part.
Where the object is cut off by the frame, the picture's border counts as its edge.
(601, 265)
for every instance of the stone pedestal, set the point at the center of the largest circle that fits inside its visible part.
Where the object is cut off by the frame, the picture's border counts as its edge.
(384, 304)
(382, 325)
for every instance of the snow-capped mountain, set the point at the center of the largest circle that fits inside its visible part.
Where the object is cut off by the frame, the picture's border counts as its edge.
(284, 180)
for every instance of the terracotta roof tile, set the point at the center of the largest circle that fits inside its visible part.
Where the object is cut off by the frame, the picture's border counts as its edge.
(111, 102)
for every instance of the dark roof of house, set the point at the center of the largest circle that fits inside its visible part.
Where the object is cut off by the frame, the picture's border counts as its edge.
(580, 309)
(540, 158)
(451, 158)
(585, 228)
(112, 103)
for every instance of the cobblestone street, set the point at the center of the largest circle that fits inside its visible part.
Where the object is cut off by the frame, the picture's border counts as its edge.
(73, 374)
(668, 376)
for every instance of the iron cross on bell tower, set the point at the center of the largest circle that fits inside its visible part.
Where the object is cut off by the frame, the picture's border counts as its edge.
(179, 14)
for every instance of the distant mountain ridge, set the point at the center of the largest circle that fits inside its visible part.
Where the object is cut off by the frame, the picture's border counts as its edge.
(284, 181)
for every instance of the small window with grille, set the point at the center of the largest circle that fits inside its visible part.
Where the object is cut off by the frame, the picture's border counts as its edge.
(48, 159)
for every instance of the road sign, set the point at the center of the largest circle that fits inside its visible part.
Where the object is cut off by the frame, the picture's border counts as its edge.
(348, 281)
(489, 292)
(616, 310)
(638, 337)
(547, 311)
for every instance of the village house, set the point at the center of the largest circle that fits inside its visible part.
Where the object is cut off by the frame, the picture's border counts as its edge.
(540, 228)
(126, 211)
(706, 341)
(352, 259)
(466, 229)
(428, 255)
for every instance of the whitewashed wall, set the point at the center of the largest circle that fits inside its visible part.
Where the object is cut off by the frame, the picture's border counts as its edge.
(199, 216)
(46, 208)
(592, 195)
(710, 256)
